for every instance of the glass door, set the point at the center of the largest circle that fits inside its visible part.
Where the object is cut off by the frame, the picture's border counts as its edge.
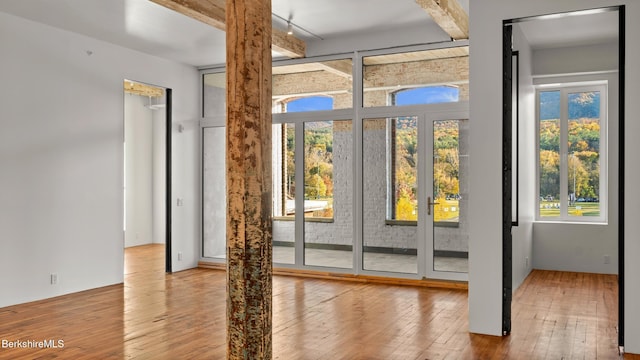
(446, 223)
(415, 195)
(390, 195)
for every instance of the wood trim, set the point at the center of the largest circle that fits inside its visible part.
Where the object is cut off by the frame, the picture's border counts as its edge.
(328, 275)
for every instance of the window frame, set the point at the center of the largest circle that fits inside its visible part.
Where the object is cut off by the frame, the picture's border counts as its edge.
(565, 89)
(391, 215)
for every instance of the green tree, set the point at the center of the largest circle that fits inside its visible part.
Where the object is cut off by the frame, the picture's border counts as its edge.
(549, 173)
(315, 187)
(405, 208)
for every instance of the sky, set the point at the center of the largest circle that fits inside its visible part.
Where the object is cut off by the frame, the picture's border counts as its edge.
(424, 95)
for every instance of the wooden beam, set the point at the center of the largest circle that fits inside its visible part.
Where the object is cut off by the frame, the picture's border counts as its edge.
(449, 15)
(249, 183)
(288, 45)
(132, 87)
(212, 12)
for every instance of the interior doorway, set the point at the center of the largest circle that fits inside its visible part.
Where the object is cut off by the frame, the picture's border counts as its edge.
(146, 165)
(556, 50)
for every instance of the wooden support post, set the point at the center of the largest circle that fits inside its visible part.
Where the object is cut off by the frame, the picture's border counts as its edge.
(249, 249)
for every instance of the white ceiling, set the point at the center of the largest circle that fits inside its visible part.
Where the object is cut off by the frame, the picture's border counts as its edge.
(135, 24)
(153, 29)
(571, 30)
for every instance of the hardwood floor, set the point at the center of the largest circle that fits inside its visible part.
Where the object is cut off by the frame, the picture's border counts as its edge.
(556, 315)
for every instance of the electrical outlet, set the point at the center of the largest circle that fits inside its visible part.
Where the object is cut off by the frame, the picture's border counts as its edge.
(54, 278)
(526, 262)
(179, 256)
(607, 259)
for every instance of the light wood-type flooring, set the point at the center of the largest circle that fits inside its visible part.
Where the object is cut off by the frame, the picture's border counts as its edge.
(556, 315)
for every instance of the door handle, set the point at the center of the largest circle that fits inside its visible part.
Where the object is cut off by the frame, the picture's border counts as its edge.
(429, 203)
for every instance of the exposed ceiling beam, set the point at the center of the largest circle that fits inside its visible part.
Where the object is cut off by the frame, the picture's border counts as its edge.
(449, 15)
(212, 12)
(287, 45)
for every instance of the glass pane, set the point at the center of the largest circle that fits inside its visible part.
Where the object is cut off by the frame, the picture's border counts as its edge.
(549, 140)
(420, 77)
(325, 85)
(284, 188)
(214, 201)
(584, 154)
(214, 92)
(390, 187)
(450, 189)
(426, 95)
(328, 193)
(403, 172)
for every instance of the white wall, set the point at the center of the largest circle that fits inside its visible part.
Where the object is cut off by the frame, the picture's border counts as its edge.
(576, 59)
(61, 154)
(486, 82)
(145, 171)
(139, 171)
(522, 234)
(159, 174)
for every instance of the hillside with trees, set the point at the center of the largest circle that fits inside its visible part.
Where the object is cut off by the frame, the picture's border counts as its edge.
(583, 146)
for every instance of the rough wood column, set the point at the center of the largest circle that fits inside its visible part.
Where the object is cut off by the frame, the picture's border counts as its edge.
(249, 251)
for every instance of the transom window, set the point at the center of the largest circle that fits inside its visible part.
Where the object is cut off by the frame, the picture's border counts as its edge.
(572, 122)
(425, 95)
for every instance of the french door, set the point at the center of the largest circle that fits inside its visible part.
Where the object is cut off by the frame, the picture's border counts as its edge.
(447, 203)
(414, 194)
(411, 220)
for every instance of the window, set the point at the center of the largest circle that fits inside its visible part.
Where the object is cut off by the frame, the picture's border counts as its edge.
(402, 188)
(572, 153)
(402, 203)
(425, 77)
(312, 103)
(313, 86)
(425, 95)
(318, 169)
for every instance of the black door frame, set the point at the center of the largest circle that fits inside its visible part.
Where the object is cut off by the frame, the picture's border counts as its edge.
(507, 179)
(168, 203)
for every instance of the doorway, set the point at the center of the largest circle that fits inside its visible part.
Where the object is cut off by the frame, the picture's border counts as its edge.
(147, 165)
(577, 227)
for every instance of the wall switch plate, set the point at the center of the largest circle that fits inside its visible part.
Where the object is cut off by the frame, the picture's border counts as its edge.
(179, 256)
(607, 259)
(54, 278)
